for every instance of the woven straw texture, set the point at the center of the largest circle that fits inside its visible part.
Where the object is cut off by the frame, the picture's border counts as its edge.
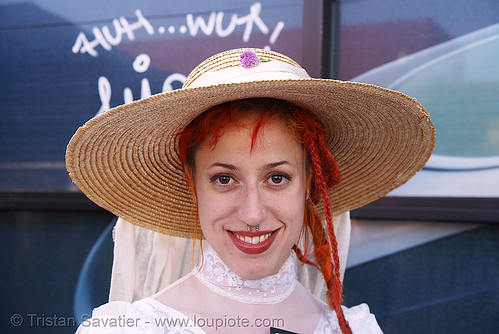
(126, 160)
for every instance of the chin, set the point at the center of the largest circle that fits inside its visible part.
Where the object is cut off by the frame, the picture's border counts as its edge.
(256, 268)
(252, 265)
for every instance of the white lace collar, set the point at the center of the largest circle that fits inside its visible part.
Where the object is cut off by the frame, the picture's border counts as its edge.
(220, 279)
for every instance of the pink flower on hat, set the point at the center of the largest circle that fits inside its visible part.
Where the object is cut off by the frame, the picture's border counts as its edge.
(249, 59)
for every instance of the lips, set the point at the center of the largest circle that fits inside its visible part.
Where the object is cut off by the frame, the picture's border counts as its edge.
(253, 242)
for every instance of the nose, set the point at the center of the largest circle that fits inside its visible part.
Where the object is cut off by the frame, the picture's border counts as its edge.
(252, 209)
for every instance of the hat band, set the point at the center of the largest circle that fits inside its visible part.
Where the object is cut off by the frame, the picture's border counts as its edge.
(270, 70)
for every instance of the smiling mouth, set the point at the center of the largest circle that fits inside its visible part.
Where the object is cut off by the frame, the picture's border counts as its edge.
(253, 242)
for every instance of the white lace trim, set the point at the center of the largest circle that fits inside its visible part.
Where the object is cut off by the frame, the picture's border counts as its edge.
(220, 279)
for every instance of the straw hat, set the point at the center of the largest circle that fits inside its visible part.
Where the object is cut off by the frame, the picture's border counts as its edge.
(126, 159)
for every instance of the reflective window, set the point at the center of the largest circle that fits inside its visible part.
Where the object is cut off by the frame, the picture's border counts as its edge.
(430, 277)
(445, 54)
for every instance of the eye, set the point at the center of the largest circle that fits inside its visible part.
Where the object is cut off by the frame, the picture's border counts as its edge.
(276, 178)
(279, 179)
(222, 179)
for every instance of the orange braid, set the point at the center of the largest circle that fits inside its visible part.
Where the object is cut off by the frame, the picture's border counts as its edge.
(326, 175)
(331, 271)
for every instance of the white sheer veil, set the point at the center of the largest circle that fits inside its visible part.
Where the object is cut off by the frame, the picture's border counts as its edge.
(145, 262)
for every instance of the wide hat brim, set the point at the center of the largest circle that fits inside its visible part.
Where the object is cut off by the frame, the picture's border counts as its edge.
(126, 160)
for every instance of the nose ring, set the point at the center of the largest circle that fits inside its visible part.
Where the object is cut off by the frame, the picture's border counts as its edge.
(257, 227)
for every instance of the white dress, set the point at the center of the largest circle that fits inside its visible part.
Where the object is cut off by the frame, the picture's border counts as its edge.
(150, 316)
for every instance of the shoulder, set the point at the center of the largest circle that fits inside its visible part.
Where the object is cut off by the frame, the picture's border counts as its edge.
(359, 317)
(143, 316)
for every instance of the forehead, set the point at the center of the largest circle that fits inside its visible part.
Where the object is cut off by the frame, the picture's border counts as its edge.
(253, 136)
(259, 127)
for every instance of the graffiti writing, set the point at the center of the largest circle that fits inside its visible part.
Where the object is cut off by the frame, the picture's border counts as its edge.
(140, 65)
(106, 37)
(194, 25)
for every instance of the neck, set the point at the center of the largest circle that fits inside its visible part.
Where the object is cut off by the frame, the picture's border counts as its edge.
(220, 279)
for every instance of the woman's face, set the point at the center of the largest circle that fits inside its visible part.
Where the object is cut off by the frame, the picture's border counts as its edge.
(263, 186)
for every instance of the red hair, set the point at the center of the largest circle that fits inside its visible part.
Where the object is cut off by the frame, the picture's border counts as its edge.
(323, 174)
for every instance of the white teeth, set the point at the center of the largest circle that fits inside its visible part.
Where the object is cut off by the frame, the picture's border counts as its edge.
(253, 240)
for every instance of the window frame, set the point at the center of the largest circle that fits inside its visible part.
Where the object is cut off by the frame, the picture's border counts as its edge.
(319, 45)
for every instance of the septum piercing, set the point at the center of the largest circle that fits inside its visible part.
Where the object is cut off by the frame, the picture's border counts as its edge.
(257, 227)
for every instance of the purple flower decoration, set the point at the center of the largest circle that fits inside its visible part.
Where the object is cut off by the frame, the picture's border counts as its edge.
(249, 59)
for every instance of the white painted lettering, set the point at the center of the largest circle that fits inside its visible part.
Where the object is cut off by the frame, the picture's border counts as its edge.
(221, 32)
(199, 23)
(119, 33)
(167, 84)
(141, 63)
(106, 40)
(252, 18)
(104, 88)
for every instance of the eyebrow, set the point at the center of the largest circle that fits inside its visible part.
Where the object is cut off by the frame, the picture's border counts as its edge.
(228, 166)
(234, 168)
(267, 166)
(276, 164)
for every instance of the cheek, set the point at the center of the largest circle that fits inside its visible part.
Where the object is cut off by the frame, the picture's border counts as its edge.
(291, 211)
(206, 215)
(211, 209)
(299, 218)
(206, 207)
(298, 209)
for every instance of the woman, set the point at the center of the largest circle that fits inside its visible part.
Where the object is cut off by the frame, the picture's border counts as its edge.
(248, 155)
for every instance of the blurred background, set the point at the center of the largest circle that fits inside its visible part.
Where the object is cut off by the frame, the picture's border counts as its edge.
(425, 258)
